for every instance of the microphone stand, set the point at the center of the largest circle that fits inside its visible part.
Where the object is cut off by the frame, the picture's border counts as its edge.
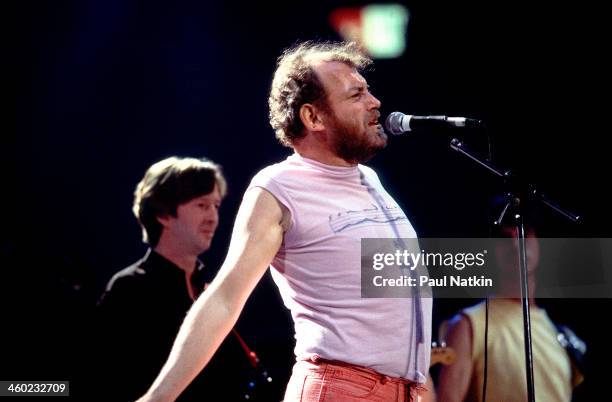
(515, 205)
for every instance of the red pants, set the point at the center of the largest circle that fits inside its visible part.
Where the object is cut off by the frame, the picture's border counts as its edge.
(330, 381)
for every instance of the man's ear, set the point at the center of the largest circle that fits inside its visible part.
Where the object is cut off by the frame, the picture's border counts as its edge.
(311, 117)
(163, 220)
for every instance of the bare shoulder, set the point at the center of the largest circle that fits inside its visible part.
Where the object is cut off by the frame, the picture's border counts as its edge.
(459, 330)
(263, 204)
(256, 238)
(459, 323)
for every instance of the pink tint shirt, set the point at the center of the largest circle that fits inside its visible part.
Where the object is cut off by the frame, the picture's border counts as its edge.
(317, 268)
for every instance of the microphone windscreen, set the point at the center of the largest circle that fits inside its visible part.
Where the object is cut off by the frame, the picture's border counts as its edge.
(393, 123)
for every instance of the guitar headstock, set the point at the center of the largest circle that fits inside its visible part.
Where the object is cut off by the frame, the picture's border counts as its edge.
(442, 354)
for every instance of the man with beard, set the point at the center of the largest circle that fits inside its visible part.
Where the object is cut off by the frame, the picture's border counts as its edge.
(305, 217)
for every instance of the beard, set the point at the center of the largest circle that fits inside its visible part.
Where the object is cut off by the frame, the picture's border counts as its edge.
(353, 146)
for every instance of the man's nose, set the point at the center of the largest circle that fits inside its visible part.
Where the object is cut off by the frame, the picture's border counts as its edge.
(212, 216)
(374, 101)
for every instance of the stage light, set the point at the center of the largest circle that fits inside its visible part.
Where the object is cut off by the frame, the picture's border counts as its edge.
(380, 28)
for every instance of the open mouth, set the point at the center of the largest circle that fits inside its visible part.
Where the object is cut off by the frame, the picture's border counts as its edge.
(374, 120)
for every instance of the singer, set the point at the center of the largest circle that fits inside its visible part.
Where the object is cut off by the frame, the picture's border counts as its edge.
(348, 348)
(176, 204)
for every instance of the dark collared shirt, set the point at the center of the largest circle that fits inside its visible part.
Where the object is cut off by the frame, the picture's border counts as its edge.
(139, 316)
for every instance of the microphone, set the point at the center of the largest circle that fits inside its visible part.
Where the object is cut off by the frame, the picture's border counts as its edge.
(398, 123)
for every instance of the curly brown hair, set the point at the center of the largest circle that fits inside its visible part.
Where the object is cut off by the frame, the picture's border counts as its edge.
(295, 83)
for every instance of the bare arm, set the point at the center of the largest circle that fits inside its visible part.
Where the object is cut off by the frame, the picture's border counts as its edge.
(256, 238)
(430, 394)
(454, 380)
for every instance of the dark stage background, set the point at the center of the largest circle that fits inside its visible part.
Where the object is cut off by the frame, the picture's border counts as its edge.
(105, 88)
